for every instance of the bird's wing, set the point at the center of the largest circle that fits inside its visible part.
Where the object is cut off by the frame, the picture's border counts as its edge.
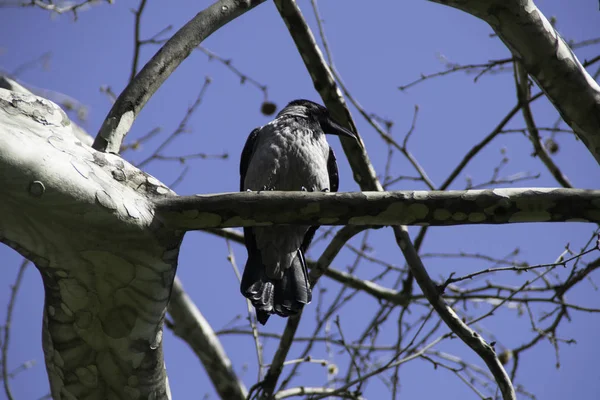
(332, 169)
(244, 162)
(308, 237)
(247, 155)
(334, 184)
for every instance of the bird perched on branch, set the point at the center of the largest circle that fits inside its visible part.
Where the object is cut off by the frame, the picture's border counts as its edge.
(289, 153)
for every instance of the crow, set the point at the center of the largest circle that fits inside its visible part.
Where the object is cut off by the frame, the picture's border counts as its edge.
(289, 153)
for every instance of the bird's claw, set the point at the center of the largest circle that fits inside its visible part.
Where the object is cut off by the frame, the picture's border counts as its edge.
(266, 188)
(303, 189)
(325, 190)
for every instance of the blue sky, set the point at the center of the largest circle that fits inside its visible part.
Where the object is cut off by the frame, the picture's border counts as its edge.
(376, 48)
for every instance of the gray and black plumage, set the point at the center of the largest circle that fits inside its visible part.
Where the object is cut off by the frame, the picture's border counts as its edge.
(289, 153)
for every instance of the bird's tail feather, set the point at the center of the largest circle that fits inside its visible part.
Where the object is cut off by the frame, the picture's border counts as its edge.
(257, 287)
(293, 291)
(284, 297)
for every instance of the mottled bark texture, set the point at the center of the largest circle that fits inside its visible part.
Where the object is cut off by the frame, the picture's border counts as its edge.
(188, 322)
(548, 59)
(86, 220)
(435, 208)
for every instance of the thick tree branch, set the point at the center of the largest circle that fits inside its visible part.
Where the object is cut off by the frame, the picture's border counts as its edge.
(435, 208)
(105, 301)
(548, 59)
(189, 323)
(135, 96)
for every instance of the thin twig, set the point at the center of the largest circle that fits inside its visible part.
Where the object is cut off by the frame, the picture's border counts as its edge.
(466, 334)
(515, 268)
(322, 33)
(181, 127)
(251, 320)
(524, 94)
(137, 42)
(135, 96)
(452, 68)
(386, 137)
(7, 326)
(377, 371)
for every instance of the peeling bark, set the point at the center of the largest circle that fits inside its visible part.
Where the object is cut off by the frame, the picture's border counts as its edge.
(86, 220)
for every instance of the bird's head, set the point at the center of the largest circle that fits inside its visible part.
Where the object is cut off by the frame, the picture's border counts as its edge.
(311, 110)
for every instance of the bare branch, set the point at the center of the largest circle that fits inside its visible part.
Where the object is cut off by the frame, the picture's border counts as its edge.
(388, 138)
(307, 391)
(252, 321)
(477, 148)
(135, 96)
(561, 262)
(243, 77)
(7, 327)
(454, 67)
(181, 127)
(364, 173)
(137, 42)
(548, 58)
(435, 208)
(60, 6)
(393, 364)
(524, 94)
(466, 334)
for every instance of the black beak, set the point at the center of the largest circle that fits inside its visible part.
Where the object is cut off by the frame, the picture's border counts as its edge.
(333, 128)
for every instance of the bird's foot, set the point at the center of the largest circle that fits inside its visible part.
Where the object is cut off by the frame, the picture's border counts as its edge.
(325, 190)
(266, 188)
(303, 189)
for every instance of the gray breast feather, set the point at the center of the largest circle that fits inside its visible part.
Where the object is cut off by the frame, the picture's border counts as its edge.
(285, 157)
(288, 157)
